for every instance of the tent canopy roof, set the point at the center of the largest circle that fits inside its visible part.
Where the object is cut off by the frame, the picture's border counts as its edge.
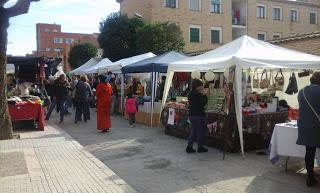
(82, 69)
(116, 66)
(248, 53)
(94, 69)
(154, 64)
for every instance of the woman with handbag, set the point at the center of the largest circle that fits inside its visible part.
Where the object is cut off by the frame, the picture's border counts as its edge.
(309, 124)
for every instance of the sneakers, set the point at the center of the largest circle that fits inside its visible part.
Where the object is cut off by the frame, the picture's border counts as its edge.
(202, 149)
(311, 181)
(190, 149)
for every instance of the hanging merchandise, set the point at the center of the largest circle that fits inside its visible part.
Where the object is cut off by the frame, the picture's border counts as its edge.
(272, 85)
(304, 73)
(196, 75)
(279, 81)
(292, 86)
(249, 85)
(209, 76)
(264, 83)
(181, 76)
(255, 80)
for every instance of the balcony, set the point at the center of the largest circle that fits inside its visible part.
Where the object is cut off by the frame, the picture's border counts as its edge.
(239, 14)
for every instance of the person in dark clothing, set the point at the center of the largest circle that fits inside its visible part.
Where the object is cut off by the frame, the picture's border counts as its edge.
(115, 96)
(51, 89)
(62, 93)
(82, 93)
(161, 87)
(309, 124)
(197, 101)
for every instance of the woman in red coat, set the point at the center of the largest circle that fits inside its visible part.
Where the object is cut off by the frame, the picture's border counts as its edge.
(104, 94)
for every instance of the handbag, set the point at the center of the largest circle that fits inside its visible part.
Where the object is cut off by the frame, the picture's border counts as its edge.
(279, 81)
(255, 80)
(304, 73)
(292, 86)
(264, 83)
(272, 85)
(311, 107)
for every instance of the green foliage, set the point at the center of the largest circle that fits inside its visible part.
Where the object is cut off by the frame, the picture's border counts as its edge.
(160, 38)
(122, 37)
(81, 53)
(118, 36)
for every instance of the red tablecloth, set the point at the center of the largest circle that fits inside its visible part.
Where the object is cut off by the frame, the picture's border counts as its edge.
(27, 111)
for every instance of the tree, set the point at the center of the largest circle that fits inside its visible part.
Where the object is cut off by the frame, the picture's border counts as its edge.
(21, 7)
(81, 53)
(118, 36)
(159, 38)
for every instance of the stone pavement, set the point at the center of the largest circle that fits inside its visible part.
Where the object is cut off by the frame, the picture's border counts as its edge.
(52, 162)
(152, 162)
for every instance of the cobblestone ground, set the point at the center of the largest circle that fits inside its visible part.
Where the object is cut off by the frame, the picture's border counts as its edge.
(152, 162)
(51, 161)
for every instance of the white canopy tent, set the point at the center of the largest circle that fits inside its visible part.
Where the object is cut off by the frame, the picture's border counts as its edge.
(95, 69)
(117, 66)
(10, 69)
(243, 53)
(82, 69)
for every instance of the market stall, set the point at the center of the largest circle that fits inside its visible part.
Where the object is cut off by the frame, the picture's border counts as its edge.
(150, 111)
(239, 59)
(25, 92)
(95, 68)
(84, 67)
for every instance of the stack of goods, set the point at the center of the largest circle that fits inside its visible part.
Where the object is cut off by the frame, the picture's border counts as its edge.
(215, 99)
(25, 100)
(181, 105)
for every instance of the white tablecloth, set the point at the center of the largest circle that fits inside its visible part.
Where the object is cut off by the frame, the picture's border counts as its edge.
(283, 143)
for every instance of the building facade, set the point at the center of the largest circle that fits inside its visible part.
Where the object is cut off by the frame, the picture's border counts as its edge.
(207, 24)
(52, 42)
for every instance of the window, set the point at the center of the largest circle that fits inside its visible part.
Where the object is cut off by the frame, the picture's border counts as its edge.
(172, 3)
(195, 33)
(261, 11)
(276, 13)
(46, 30)
(215, 6)
(69, 40)
(294, 15)
(313, 17)
(195, 5)
(262, 36)
(55, 30)
(58, 40)
(277, 36)
(48, 49)
(216, 35)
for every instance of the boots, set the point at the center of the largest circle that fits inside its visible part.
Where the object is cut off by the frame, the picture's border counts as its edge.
(311, 181)
(190, 149)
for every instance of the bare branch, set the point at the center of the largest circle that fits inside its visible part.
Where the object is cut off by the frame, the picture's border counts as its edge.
(21, 7)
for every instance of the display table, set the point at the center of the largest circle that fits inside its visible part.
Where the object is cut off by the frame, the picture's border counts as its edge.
(23, 111)
(283, 143)
(257, 128)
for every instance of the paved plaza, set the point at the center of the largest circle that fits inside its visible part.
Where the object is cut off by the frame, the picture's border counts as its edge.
(64, 158)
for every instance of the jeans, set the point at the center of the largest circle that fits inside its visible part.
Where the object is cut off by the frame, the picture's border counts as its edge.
(53, 104)
(198, 130)
(82, 108)
(309, 160)
(63, 108)
(132, 118)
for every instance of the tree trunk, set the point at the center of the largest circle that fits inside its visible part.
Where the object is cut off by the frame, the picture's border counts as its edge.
(5, 120)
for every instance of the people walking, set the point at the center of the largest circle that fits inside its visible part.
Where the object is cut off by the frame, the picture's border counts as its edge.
(103, 94)
(51, 90)
(114, 96)
(309, 124)
(62, 92)
(131, 109)
(197, 101)
(82, 93)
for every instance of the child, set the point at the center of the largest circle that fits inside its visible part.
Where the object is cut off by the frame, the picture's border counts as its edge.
(131, 109)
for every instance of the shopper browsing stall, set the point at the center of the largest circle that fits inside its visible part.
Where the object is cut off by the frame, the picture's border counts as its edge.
(82, 93)
(309, 124)
(197, 102)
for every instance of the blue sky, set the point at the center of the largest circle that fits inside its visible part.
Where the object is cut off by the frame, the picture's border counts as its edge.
(79, 16)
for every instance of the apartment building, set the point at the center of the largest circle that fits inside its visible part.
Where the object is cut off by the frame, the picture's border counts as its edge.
(52, 42)
(207, 24)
